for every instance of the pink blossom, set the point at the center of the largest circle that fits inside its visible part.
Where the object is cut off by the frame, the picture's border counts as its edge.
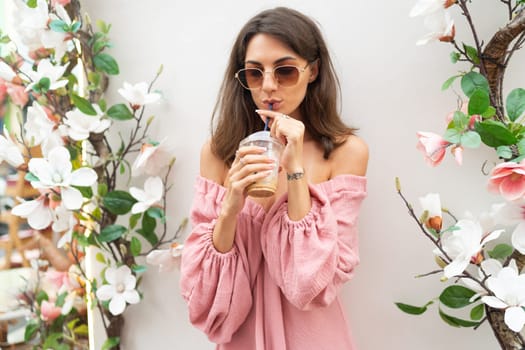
(60, 2)
(49, 311)
(18, 94)
(457, 152)
(433, 147)
(508, 179)
(3, 91)
(464, 108)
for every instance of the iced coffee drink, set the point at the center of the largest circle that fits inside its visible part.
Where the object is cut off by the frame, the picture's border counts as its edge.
(265, 187)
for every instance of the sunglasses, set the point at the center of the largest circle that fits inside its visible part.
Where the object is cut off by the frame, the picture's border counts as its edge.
(252, 78)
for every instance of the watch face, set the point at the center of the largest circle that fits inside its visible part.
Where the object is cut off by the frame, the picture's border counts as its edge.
(294, 176)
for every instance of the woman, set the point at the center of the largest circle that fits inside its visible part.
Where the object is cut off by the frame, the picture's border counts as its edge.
(264, 273)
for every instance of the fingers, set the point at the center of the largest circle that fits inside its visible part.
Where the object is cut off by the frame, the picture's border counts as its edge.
(249, 165)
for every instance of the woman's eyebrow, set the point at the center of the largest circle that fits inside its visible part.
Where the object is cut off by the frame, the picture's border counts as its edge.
(286, 58)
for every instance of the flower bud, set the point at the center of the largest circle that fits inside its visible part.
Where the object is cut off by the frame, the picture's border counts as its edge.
(449, 3)
(435, 222)
(449, 37)
(441, 263)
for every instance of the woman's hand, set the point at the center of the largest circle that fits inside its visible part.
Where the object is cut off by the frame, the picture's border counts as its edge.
(290, 132)
(249, 166)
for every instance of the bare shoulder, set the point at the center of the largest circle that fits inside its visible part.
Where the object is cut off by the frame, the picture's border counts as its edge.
(351, 157)
(211, 166)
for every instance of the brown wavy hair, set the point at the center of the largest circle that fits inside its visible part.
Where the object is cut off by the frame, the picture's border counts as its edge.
(234, 115)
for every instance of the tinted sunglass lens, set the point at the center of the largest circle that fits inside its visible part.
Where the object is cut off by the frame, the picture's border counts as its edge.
(252, 77)
(287, 75)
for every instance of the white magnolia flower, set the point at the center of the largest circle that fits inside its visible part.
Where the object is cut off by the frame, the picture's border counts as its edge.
(488, 267)
(508, 287)
(28, 24)
(63, 221)
(57, 40)
(55, 171)
(120, 290)
(426, 7)
(462, 244)
(509, 214)
(9, 151)
(80, 125)
(152, 194)
(151, 159)
(38, 214)
(38, 126)
(432, 204)
(6, 72)
(166, 259)
(440, 25)
(46, 69)
(138, 95)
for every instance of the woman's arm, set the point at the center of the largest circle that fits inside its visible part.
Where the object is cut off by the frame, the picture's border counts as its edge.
(312, 257)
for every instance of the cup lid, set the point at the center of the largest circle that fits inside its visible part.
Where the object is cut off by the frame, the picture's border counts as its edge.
(261, 135)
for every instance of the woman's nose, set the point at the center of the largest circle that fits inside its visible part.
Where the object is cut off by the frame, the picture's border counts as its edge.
(269, 82)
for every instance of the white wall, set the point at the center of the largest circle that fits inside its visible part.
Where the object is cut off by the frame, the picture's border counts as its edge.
(391, 90)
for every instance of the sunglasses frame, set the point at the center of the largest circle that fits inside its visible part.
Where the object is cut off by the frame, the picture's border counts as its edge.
(272, 71)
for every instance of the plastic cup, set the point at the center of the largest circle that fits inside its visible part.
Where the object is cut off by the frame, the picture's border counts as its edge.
(266, 186)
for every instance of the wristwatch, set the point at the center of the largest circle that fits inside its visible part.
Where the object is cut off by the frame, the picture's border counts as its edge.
(295, 176)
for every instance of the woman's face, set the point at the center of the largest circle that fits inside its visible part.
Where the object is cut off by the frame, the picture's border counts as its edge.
(267, 53)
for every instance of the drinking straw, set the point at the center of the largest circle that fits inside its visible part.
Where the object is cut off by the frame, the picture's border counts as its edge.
(270, 106)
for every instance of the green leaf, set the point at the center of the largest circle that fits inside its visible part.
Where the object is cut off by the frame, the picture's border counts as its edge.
(150, 236)
(139, 268)
(118, 202)
(58, 25)
(81, 330)
(504, 152)
(472, 53)
(494, 133)
(111, 233)
(456, 322)
(31, 177)
(148, 223)
(32, 3)
(61, 299)
(135, 246)
(31, 330)
(501, 251)
(83, 105)
(454, 56)
(461, 120)
(87, 192)
(489, 113)
(110, 343)
(479, 102)
(41, 296)
(515, 103)
(42, 86)
(413, 310)
(477, 312)
(134, 219)
(100, 258)
(449, 82)
(453, 135)
(470, 139)
(75, 26)
(106, 63)
(456, 296)
(473, 81)
(102, 189)
(120, 112)
(156, 213)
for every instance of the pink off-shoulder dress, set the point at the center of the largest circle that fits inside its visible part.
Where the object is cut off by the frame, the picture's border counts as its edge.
(277, 288)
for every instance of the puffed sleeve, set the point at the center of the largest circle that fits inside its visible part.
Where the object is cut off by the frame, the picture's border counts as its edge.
(311, 258)
(215, 285)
